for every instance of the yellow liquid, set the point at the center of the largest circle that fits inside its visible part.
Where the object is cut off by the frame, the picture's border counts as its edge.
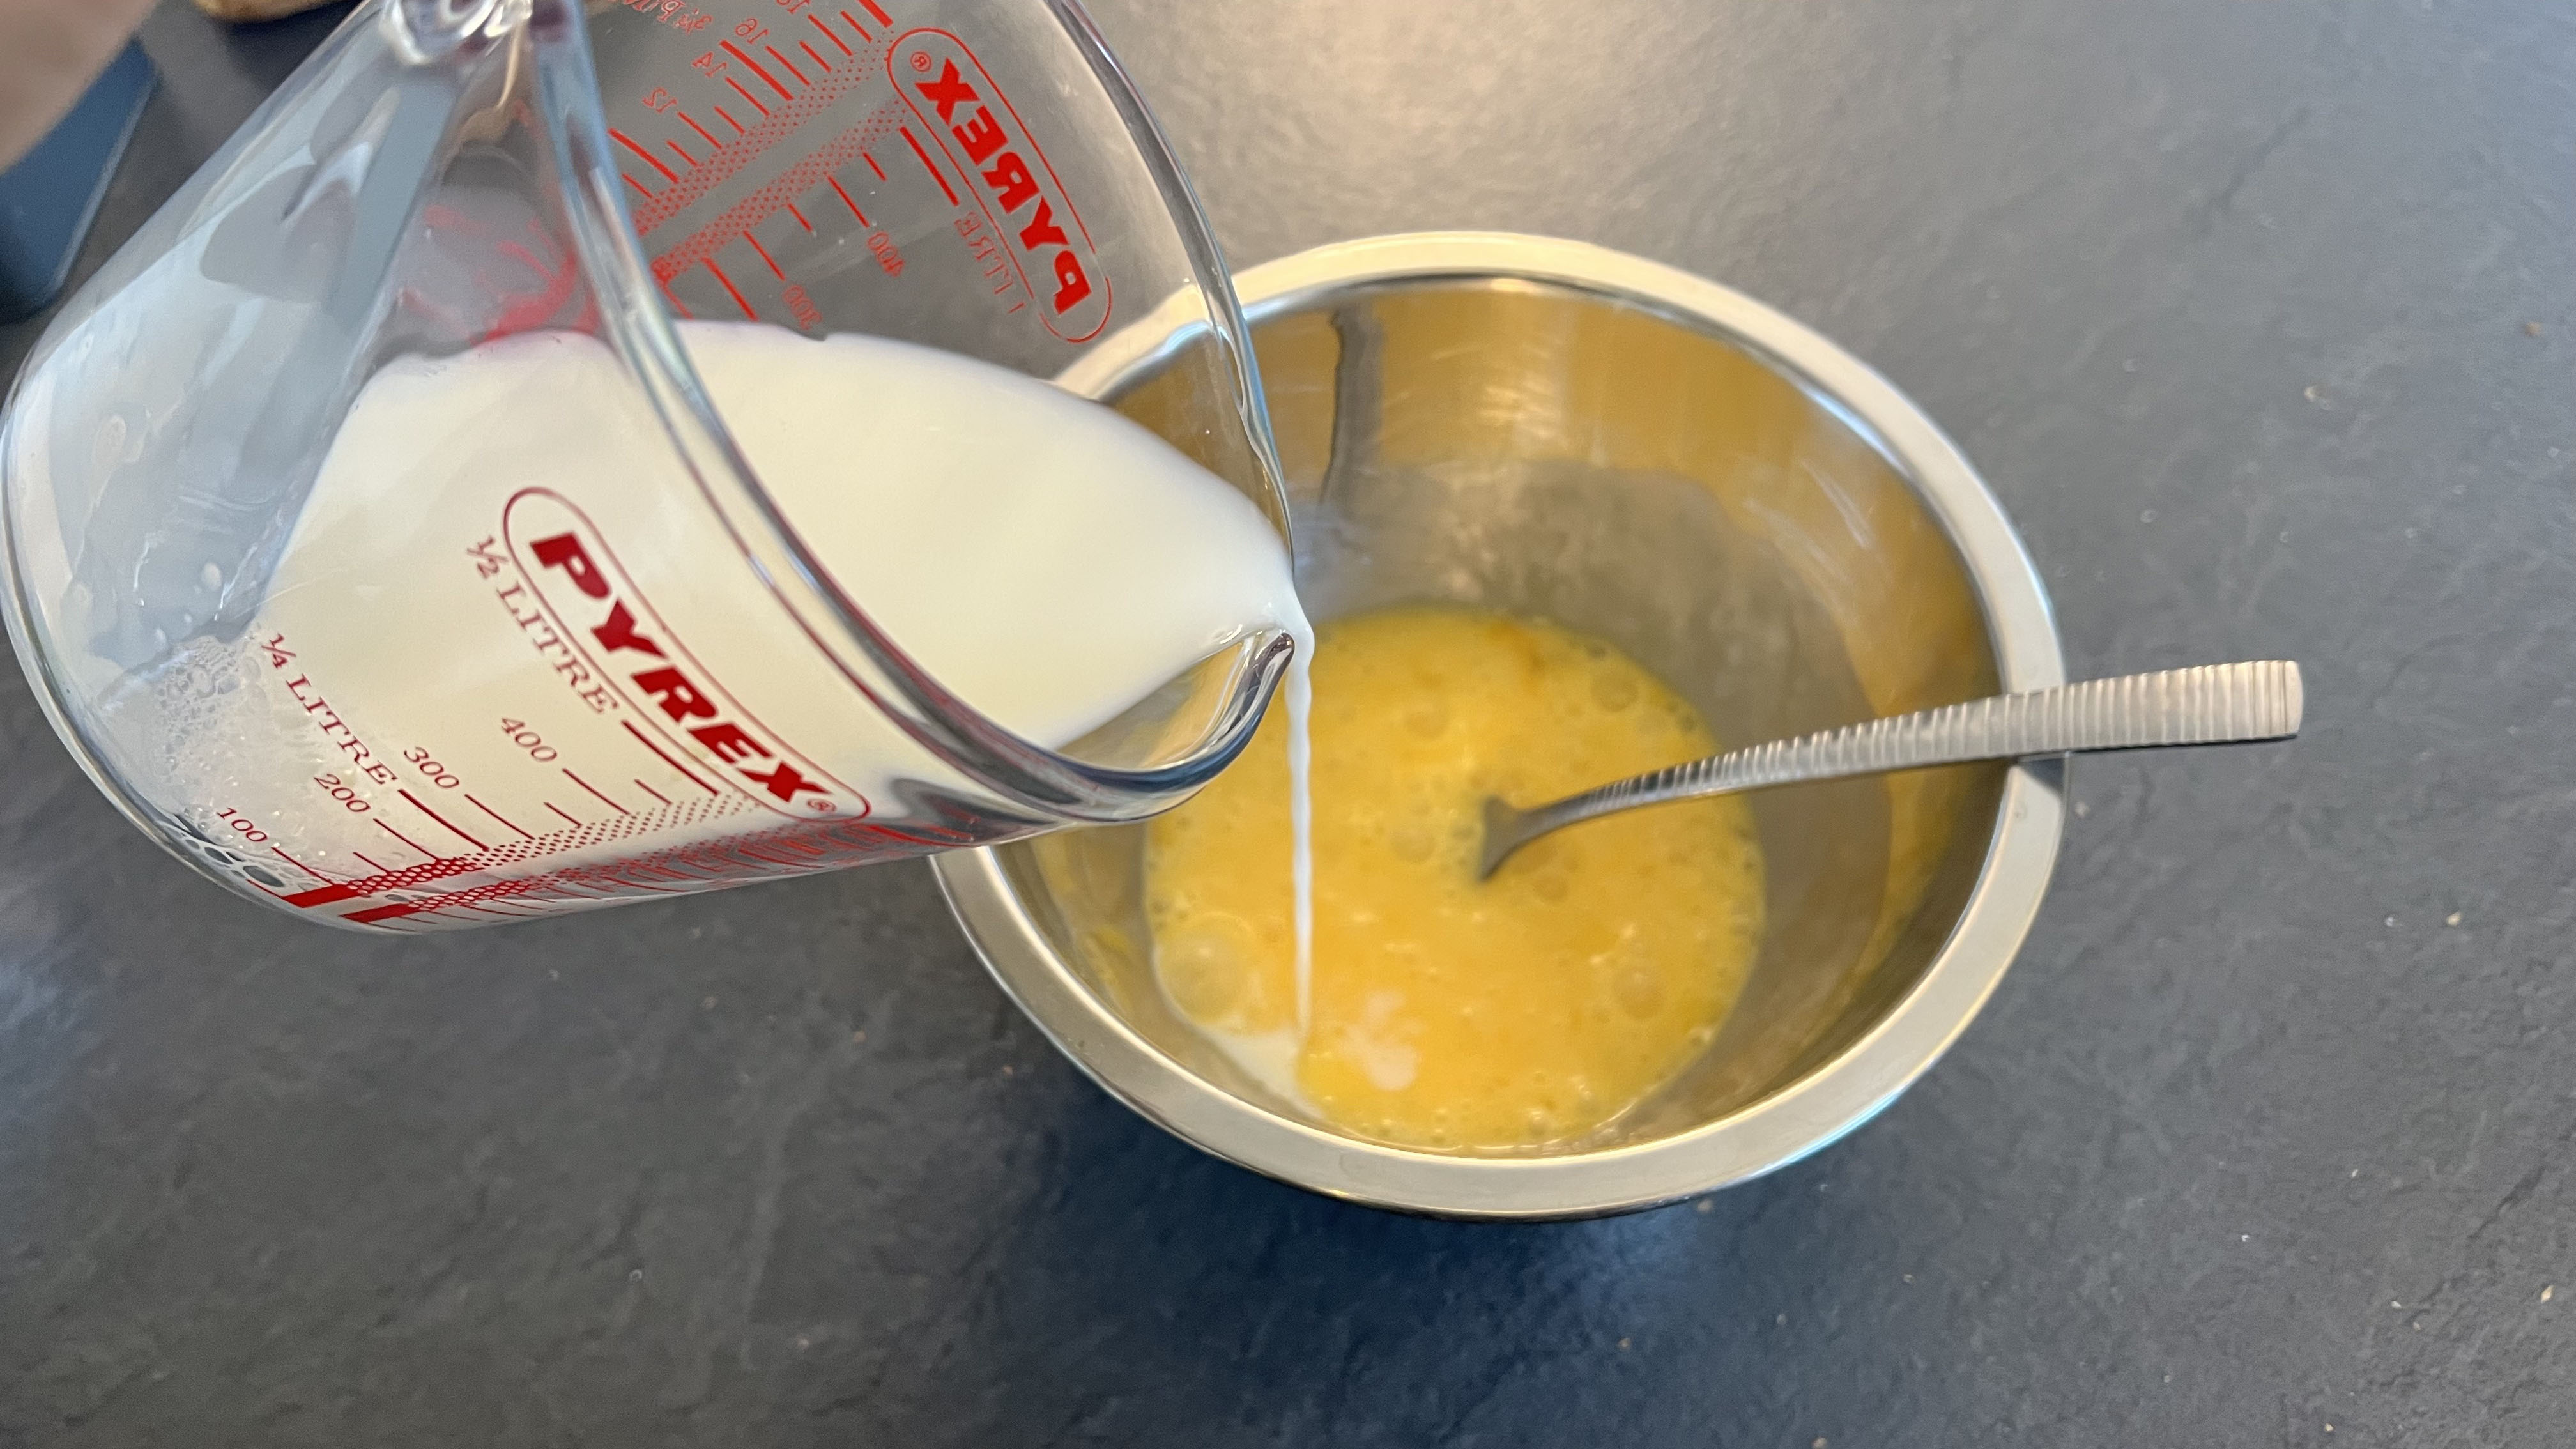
(1448, 1012)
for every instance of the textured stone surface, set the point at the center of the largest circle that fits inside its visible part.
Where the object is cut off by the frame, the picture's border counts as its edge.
(2269, 1130)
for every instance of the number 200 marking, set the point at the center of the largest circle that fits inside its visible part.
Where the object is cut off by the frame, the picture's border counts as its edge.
(346, 795)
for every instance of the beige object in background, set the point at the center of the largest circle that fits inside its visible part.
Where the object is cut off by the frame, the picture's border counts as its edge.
(50, 51)
(257, 9)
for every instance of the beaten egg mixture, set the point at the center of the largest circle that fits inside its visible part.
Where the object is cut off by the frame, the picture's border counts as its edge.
(1447, 1012)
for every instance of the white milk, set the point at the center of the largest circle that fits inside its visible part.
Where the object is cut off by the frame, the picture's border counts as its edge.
(1043, 557)
(509, 666)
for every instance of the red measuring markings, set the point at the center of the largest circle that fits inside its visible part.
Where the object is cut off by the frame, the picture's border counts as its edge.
(735, 51)
(441, 819)
(810, 172)
(929, 165)
(595, 792)
(790, 848)
(600, 611)
(795, 849)
(577, 835)
(497, 815)
(649, 159)
(749, 65)
(769, 82)
(299, 865)
(730, 289)
(646, 741)
(407, 840)
(846, 201)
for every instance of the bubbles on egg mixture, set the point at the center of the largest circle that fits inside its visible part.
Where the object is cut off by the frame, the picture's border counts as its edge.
(1205, 966)
(1446, 1012)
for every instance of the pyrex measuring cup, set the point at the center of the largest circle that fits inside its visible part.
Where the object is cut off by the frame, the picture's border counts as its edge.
(516, 695)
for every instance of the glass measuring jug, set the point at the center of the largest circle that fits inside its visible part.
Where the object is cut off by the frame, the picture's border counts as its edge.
(519, 693)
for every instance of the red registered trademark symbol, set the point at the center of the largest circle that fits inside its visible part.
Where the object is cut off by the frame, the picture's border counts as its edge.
(921, 60)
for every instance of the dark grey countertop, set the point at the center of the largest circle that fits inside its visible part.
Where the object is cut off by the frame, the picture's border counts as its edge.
(2258, 316)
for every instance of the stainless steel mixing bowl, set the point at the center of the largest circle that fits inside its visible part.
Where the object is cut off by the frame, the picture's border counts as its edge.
(1549, 428)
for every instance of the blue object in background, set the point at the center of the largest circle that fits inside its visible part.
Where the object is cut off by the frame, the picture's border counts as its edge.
(49, 198)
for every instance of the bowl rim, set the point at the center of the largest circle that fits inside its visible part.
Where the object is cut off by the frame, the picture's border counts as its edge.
(1832, 1098)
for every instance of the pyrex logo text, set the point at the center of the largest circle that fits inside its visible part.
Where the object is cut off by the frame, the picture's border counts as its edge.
(627, 639)
(980, 132)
